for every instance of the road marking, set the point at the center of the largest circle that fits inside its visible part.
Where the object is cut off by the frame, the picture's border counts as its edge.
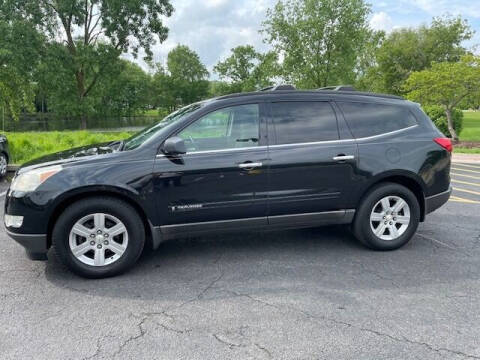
(467, 176)
(462, 200)
(467, 191)
(465, 182)
(467, 165)
(475, 172)
(3, 193)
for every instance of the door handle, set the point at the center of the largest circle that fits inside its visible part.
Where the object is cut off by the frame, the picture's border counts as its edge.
(249, 165)
(343, 157)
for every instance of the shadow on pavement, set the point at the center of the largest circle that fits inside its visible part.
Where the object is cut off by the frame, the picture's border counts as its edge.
(321, 259)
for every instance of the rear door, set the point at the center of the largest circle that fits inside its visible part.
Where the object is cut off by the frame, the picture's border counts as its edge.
(311, 167)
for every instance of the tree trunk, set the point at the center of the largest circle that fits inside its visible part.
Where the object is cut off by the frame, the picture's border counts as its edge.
(83, 122)
(451, 128)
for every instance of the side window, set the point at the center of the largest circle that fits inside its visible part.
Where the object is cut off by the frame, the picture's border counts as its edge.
(302, 122)
(374, 119)
(227, 128)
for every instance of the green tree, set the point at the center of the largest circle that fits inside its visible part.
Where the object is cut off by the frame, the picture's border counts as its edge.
(446, 84)
(126, 94)
(95, 33)
(183, 82)
(20, 49)
(319, 40)
(248, 70)
(414, 49)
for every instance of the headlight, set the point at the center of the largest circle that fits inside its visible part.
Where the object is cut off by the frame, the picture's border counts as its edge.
(31, 180)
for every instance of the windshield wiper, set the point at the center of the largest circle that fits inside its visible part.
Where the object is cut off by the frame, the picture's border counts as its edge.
(117, 145)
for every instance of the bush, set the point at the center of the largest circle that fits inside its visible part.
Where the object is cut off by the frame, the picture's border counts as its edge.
(437, 114)
(26, 146)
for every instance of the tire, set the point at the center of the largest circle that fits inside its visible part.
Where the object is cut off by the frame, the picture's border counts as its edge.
(121, 248)
(378, 232)
(3, 165)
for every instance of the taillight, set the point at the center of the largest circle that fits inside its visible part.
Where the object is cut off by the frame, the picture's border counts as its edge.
(446, 143)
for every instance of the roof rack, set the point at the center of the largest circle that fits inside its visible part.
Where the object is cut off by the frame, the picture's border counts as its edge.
(332, 90)
(279, 87)
(338, 88)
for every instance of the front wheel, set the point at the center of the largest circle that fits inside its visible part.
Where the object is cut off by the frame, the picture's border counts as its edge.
(387, 217)
(98, 237)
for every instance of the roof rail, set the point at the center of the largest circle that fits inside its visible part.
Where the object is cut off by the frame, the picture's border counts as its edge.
(338, 88)
(279, 87)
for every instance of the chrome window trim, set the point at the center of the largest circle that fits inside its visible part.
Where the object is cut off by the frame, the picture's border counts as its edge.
(300, 144)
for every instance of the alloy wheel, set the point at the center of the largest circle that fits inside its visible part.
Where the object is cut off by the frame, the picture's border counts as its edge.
(98, 239)
(390, 218)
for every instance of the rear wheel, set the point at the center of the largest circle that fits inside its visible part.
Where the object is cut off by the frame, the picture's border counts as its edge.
(3, 165)
(99, 237)
(387, 217)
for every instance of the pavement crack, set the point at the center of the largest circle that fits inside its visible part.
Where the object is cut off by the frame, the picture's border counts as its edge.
(141, 333)
(226, 342)
(98, 348)
(208, 287)
(403, 339)
(170, 329)
(254, 299)
(414, 342)
(264, 349)
(441, 243)
(381, 277)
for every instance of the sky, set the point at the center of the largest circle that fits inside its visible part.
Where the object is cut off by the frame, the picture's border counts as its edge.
(212, 27)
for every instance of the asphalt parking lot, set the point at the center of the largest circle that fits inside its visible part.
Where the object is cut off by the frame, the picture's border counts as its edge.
(303, 294)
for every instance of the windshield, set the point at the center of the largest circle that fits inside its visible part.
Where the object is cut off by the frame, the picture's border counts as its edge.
(142, 136)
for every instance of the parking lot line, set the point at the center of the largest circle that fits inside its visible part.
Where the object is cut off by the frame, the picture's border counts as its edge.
(462, 200)
(468, 165)
(465, 182)
(467, 170)
(467, 191)
(467, 176)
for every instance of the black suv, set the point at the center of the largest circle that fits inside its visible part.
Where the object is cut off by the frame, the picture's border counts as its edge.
(278, 158)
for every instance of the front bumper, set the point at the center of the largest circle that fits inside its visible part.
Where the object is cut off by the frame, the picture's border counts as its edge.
(432, 203)
(34, 244)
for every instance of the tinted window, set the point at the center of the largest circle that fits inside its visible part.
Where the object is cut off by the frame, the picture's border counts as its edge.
(301, 122)
(374, 119)
(232, 127)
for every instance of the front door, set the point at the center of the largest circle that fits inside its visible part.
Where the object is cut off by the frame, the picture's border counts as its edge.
(222, 179)
(311, 168)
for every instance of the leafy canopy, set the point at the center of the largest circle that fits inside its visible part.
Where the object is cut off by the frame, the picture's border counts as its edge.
(319, 40)
(248, 70)
(20, 47)
(183, 82)
(407, 50)
(446, 84)
(86, 38)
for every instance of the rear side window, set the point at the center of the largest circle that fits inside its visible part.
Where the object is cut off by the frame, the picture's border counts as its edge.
(375, 119)
(302, 122)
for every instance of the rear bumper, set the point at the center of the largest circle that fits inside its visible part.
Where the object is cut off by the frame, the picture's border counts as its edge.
(34, 244)
(432, 203)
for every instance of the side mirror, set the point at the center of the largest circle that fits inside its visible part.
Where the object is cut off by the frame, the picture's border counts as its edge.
(174, 146)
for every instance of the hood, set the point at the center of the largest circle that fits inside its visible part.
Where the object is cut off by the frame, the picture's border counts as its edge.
(73, 155)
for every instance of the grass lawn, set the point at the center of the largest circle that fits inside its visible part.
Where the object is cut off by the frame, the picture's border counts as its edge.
(25, 146)
(471, 126)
